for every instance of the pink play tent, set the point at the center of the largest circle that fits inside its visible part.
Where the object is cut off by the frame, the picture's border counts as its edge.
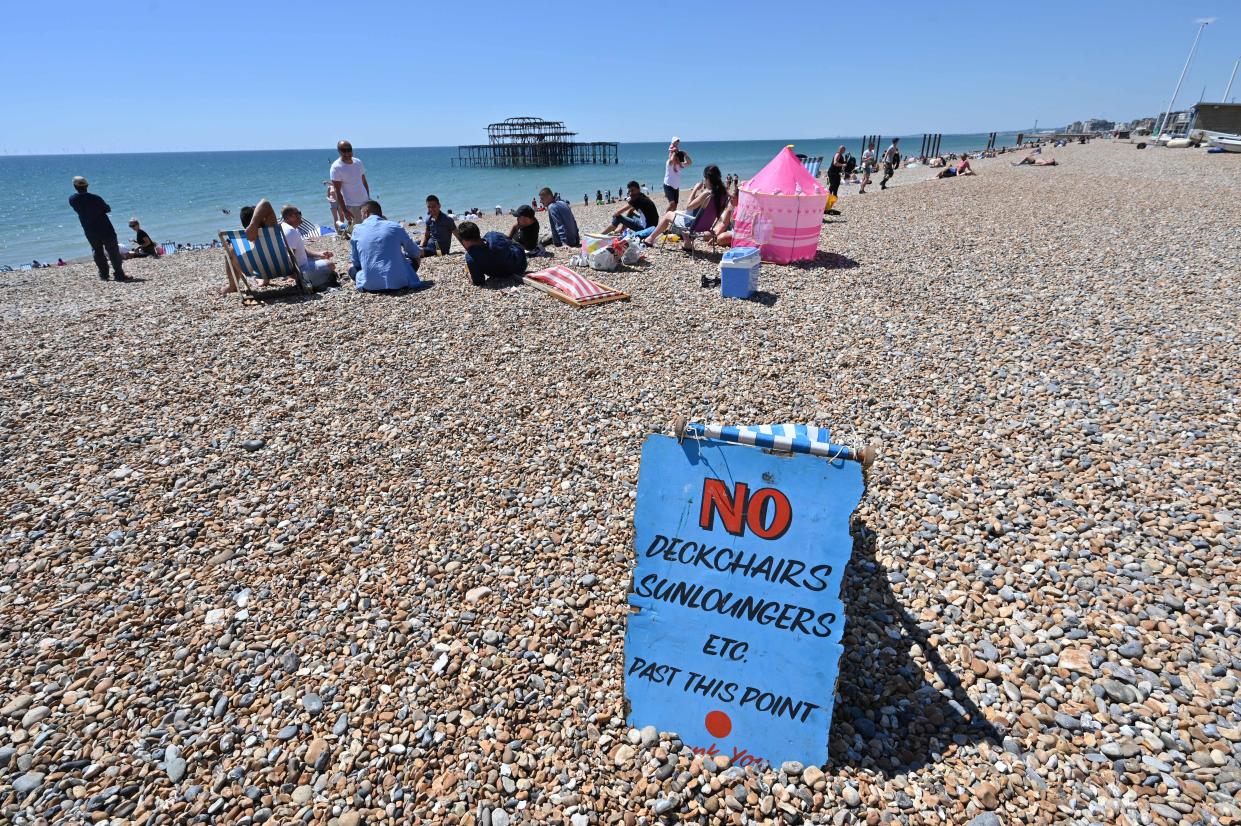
(781, 210)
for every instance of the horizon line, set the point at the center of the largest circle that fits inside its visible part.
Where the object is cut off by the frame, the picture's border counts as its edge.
(6, 154)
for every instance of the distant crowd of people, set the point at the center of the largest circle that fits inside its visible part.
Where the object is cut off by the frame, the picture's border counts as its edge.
(384, 256)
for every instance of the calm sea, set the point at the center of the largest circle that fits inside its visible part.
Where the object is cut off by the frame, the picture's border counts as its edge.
(182, 196)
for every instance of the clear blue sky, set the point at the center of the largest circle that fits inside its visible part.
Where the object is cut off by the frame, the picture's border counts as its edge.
(160, 75)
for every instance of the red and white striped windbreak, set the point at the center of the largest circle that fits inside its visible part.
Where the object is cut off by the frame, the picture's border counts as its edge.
(578, 287)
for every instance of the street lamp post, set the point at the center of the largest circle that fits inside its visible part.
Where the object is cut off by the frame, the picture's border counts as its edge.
(1202, 24)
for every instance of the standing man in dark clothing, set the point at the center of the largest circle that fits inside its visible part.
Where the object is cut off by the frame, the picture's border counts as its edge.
(93, 213)
(834, 171)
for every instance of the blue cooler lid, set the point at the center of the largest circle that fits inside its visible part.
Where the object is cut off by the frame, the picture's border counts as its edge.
(738, 253)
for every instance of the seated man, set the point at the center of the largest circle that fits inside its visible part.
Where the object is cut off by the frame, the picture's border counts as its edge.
(144, 247)
(384, 256)
(441, 229)
(492, 256)
(561, 222)
(316, 269)
(253, 219)
(525, 230)
(638, 213)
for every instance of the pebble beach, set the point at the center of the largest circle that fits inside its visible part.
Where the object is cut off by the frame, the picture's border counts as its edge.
(363, 559)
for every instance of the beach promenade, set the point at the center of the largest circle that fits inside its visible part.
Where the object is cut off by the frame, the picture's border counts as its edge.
(363, 558)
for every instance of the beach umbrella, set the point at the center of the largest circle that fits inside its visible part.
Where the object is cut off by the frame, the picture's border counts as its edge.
(781, 210)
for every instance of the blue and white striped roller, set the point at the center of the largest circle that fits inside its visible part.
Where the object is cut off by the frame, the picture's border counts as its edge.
(787, 438)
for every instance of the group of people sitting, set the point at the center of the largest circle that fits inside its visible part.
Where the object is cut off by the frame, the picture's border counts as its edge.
(708, 211)
(384, 257)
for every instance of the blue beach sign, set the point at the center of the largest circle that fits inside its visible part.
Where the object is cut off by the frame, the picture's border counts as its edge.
(736, 638)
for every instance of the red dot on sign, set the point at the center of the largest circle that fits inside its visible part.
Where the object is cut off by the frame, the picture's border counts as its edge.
(718, 724)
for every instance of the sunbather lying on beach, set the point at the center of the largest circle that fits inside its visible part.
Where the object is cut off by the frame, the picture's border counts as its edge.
(492, 256)
(1033, 161)
(708, 195)
(962, 168)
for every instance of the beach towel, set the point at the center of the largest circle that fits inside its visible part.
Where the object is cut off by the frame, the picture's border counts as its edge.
(573, 288)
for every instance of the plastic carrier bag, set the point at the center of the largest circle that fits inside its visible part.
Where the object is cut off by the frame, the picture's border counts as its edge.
(602, 259)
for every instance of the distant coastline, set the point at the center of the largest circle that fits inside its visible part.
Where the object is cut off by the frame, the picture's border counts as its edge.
(181, 196)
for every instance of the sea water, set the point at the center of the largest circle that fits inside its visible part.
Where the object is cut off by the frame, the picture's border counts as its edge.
(183, 196)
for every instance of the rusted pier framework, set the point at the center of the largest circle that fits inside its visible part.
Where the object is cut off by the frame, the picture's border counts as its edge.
(533, 142)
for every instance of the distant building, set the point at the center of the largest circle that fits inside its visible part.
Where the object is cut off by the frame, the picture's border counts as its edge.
(1080, 127)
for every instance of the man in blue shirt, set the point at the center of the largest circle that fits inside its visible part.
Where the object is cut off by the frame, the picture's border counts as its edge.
(493, 256)
(100, 234)
(384, 256)
(560, 217)
(437, 238)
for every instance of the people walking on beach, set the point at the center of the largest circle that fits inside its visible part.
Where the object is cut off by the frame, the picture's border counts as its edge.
(383, 255)
(144, 247)
(348, 176)
(678, 159)
(525, 229)
(868, 166)
(440, 229)
(490, 256)
(100, 234)
(638, 213)
(317, 268)
(560, 221)
(891, 160)
(835, 170)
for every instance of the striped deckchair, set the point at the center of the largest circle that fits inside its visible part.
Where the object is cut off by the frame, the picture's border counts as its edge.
(781, 438)
(572, 288)
(813, 164)
(266, 258)
(309, 230)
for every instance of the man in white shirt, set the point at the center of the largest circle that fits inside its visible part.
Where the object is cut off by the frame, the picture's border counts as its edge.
(348, 177)
(868, 166)
(315, 266)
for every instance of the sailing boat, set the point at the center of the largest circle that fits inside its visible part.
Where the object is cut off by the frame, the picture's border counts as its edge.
(1228, 143)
